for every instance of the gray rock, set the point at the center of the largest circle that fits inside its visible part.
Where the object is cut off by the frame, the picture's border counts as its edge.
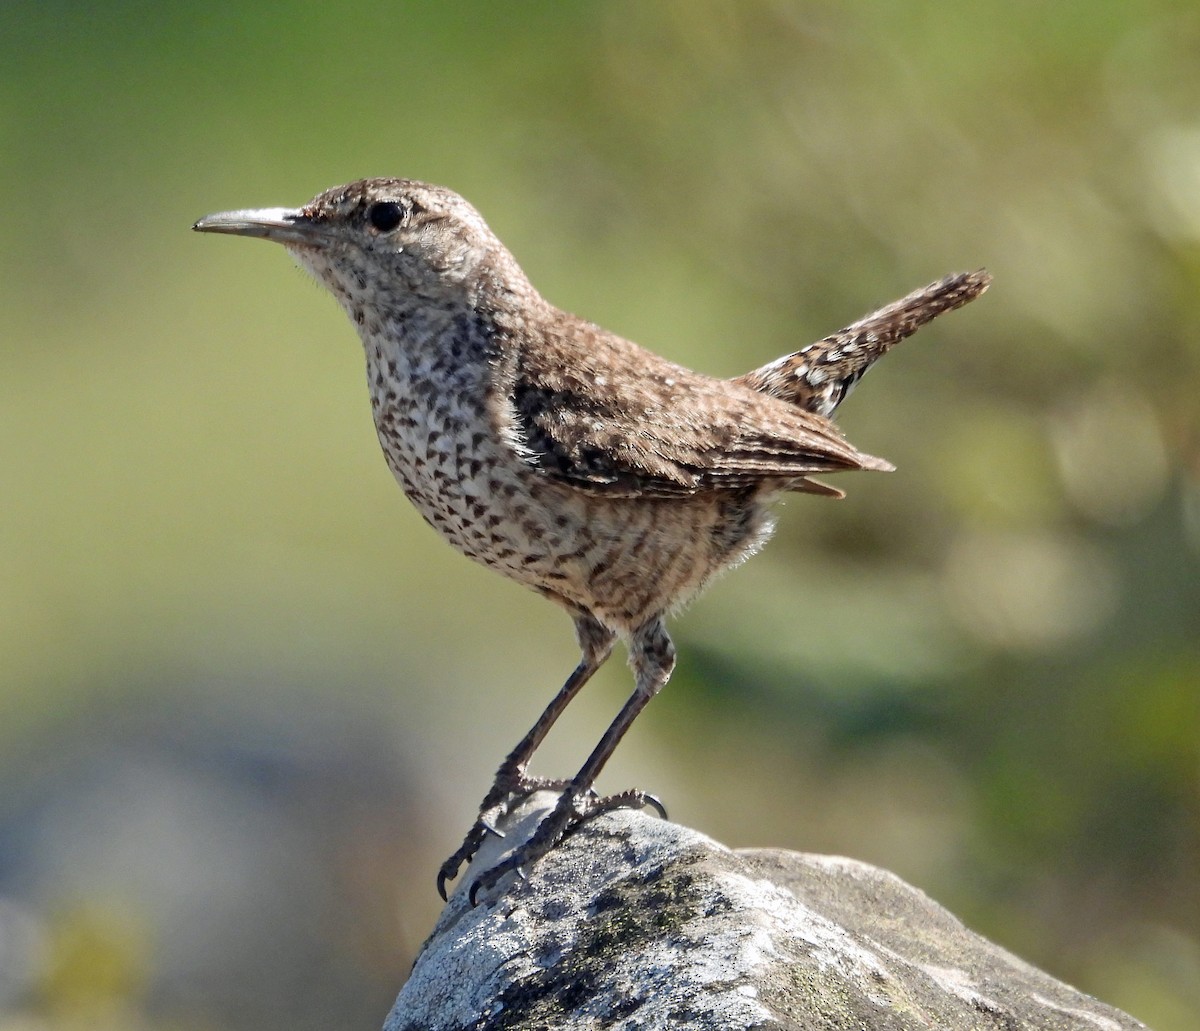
(636, 923)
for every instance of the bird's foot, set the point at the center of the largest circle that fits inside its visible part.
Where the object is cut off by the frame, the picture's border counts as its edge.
(572, 811)
(511, 785)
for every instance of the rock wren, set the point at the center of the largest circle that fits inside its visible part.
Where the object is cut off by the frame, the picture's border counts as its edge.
(606, 478)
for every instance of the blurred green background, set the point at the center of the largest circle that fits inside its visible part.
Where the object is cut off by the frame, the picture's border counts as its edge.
(248, 701)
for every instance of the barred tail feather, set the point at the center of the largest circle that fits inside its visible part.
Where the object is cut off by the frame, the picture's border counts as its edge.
(820, 376)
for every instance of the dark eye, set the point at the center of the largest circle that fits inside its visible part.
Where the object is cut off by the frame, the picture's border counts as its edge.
(385, 215)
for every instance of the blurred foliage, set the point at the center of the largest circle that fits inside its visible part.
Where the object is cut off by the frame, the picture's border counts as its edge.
(248, 701)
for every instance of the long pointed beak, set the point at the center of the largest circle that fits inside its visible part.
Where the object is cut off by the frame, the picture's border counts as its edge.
(283, 225)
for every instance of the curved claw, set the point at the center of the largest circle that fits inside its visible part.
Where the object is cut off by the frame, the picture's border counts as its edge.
(449, 869)
(490, 827)
(634, 798)
(655, 803)
(479, 883)
(514, 864)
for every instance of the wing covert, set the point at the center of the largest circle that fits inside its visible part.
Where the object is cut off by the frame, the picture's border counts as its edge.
(666, 431)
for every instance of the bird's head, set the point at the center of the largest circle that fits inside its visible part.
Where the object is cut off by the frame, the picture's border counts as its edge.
(371, 239)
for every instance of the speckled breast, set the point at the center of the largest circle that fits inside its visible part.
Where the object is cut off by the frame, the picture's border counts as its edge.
(619, 559)
(431, 416)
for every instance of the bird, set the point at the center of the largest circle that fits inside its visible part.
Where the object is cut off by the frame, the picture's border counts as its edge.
(610, 480)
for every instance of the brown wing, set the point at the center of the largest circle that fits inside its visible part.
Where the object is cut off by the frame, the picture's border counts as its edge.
(603, 415)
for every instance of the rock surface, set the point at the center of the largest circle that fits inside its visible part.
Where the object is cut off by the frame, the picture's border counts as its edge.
(639, 924)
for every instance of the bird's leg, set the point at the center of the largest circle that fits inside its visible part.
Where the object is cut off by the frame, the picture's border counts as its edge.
(595, 644)
(652, 656)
